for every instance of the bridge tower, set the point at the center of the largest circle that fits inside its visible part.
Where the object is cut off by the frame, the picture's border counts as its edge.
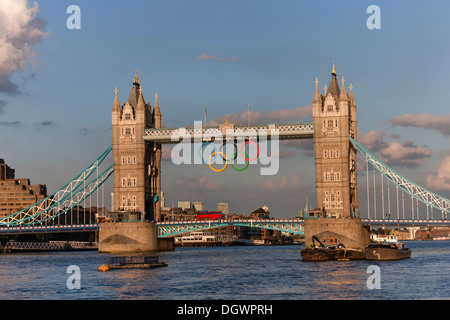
(137, 163)
(334, 120)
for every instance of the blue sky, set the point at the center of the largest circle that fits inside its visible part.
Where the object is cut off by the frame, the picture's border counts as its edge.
(263, 53)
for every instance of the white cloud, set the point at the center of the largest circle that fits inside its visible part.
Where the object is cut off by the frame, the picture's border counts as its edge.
(258, 116)
(20, 31)
(441, 180)
(204, 56)
(394, 153)
(425, 120)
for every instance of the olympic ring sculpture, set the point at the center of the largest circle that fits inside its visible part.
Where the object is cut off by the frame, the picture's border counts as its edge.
(233, 157)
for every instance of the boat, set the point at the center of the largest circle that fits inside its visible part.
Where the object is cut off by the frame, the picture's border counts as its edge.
(203, 239)
(251, 242)
(387, 238)
(441, 238)
(387, 251)
(133, 262)
(330, 249)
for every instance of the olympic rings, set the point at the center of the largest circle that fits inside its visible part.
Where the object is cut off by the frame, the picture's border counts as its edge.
(246, 165)
(200, 151)
(226, 163)
(244, 155)
(257, 154)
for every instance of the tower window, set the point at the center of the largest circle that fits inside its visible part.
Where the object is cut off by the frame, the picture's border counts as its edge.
(127, 116)
(330, 107)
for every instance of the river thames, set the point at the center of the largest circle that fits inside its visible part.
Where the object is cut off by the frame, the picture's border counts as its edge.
(229, 273)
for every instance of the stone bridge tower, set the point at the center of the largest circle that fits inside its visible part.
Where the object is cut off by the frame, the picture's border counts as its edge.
(137, 163)
(334, 120)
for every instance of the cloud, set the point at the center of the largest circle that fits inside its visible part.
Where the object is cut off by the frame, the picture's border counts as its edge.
(424, 120)
(3, 103)
(441, 180)
(44, 124)
(258, 116)
(200, 183)
(204, 56)
(14, 123)
(282, 183)
(394, 153)
(21, 30)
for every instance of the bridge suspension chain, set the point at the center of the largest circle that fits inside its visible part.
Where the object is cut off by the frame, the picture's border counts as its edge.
(422, 194)
(66, 197)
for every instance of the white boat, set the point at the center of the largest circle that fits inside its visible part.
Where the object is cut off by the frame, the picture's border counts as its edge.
(384, 239)
(249, 242)
(441, 238)
(199, 238)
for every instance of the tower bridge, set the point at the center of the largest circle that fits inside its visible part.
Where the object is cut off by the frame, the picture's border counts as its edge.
(137, 140)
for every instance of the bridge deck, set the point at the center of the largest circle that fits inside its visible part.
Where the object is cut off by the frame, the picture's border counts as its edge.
(280, 131)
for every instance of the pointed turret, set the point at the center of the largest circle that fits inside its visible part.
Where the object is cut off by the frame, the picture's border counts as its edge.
(156, 113)
(140, 105)
(116, 103)
(343, 95)
(333, 88)
(116, 110)
(134, 93)
(317, 97)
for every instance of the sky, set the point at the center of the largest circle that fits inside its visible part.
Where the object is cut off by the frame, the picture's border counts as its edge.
(57, 85)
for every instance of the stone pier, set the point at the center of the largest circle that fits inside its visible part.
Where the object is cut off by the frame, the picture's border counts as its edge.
(348, 231)
(131, 237)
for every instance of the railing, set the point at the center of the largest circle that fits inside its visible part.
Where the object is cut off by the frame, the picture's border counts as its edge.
(282, 131)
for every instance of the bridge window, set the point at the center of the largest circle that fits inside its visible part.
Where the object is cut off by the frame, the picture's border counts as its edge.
(127, 116)
(330, 107)
(331, 154)
(325, 154)
(330, 123)
(337, 153)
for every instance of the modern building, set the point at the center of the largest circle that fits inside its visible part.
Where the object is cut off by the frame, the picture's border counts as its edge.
(184, 205)
(222, 207)
(198, 205)
(17, 194)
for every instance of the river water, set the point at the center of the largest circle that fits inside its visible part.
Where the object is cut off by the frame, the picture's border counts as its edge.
(229, 273)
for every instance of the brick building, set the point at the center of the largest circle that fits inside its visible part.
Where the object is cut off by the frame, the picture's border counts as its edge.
(17, 194)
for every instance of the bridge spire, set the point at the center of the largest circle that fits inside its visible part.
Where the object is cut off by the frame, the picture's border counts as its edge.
(317, 96)
(343, 95)
(116, 103)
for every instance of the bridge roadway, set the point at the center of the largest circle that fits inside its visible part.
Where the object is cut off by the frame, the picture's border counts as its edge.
(283, 131)
(172, 228)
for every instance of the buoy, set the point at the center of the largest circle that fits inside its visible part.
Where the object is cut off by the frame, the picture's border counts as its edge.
(103, 267)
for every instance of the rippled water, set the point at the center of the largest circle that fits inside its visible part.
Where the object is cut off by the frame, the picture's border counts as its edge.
(232, 273)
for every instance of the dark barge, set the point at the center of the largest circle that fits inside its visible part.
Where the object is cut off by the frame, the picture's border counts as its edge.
(330, 250)
(387, 251)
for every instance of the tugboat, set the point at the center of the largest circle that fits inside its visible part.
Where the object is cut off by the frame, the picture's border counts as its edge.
(330, 250)
(387, 251)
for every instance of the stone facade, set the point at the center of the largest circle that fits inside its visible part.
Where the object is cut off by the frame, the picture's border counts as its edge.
(137, 163)
(17, 194)
(131, 237)
(334, 120)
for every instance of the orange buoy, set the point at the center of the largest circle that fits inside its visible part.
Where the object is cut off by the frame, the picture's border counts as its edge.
(103, 267)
